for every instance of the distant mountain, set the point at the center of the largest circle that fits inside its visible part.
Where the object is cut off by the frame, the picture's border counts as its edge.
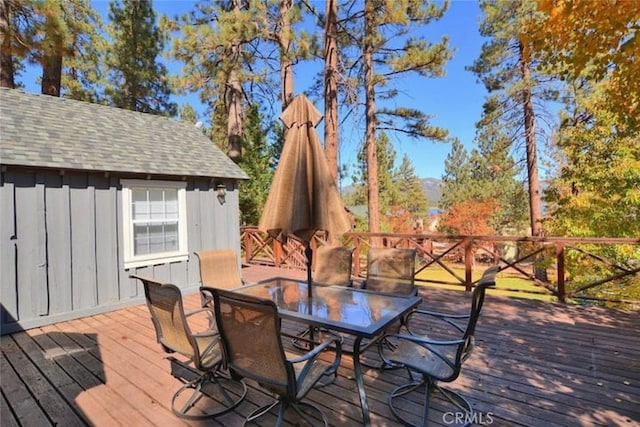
(430, 186)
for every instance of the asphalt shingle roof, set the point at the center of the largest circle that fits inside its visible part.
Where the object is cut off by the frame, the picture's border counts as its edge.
(46, 131)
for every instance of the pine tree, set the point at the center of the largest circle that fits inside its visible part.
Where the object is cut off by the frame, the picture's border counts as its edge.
(82, 72)
(496, 174)
(386, 160)
(457, 179)
(486, 178)
(229, 50)
(257, 162)
(188, 114)
(410, 195)
(7, 35)
(385, 60)
(506, 68)
(63, 37)
(401, 194)
(137, 79)
(331, 76)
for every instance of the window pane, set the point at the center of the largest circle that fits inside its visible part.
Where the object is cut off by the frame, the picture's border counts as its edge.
(156, 239)
(140, 206)
(140, 239)
(171, 204)
(156, 202)
(171, 237)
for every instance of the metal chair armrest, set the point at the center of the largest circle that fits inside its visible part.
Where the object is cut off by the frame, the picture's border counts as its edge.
(424, 341)
(333, 342)
(318, 347)
(440, 314)
(444, 317)
(197, 311)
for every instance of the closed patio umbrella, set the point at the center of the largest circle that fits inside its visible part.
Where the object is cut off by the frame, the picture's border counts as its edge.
(303, 197)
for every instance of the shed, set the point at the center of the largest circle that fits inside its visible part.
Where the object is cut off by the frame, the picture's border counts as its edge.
(90, 194)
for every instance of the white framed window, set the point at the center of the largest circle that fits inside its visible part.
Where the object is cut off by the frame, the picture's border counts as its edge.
(155, 222)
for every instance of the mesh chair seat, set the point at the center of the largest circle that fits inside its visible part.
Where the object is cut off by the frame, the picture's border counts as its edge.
(415, 356)
(391, 270)
(437, 360)
(332, 265)
(252, 343)
(219, 268)
(211, 393)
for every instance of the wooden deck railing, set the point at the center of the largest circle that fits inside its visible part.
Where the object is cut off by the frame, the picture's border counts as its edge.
(545, 261)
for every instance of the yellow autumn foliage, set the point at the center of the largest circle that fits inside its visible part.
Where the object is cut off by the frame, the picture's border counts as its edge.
(599, 36)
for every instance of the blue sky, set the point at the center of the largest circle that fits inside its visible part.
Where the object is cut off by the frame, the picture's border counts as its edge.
(454, 101)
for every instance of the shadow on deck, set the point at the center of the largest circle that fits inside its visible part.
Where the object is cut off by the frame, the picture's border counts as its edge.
(535, 364)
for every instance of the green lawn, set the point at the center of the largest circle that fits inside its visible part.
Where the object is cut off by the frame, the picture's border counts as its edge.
(508, 283)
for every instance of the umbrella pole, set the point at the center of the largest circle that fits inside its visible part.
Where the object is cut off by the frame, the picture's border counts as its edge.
(308, 252)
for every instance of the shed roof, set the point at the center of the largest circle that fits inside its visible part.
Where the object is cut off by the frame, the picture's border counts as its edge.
(46, 131)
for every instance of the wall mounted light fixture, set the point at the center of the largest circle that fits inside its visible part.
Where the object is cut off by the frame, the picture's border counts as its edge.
(221, 192)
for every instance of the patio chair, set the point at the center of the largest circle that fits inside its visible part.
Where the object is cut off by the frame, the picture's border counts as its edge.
(389, 270)
(219, 268)
(212, 393)
(252, 341)
(333, 265)
(435, 359)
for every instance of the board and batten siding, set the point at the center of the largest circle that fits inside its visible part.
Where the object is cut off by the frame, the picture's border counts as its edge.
(61, 255)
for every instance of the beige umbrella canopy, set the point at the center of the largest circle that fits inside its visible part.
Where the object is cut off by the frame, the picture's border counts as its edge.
(303, 197)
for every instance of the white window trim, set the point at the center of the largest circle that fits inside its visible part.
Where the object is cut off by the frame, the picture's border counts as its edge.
(182, 254)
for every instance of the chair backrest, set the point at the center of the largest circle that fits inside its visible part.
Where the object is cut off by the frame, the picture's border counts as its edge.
(250, 331)
(487, 280)
(332, 265)
(391, 270)
(164, 302)
(219, 268)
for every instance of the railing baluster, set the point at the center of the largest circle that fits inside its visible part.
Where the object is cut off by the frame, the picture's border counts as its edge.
(560, 264)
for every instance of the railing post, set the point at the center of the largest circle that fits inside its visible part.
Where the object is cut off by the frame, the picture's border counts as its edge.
(560, 268)
(356, 256)
(248, 247)
(277, 252)
(468, 264)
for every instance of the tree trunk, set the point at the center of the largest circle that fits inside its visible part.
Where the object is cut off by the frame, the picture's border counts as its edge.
(234, 106)
(370, 113)
(51, 74)
(234, 125)
(535, 210)
(52, 51)
(331, 88)
(286, 66)
(6, 58)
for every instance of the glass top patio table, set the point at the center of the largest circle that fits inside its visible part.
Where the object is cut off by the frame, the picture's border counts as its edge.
(353, 311)
(358, 312)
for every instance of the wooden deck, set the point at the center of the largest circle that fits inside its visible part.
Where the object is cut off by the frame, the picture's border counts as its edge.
(535, 364)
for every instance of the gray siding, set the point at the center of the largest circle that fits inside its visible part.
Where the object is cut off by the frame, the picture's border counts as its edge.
(61, 244)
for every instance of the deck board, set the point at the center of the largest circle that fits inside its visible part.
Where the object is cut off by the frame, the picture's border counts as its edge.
(536, 364)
